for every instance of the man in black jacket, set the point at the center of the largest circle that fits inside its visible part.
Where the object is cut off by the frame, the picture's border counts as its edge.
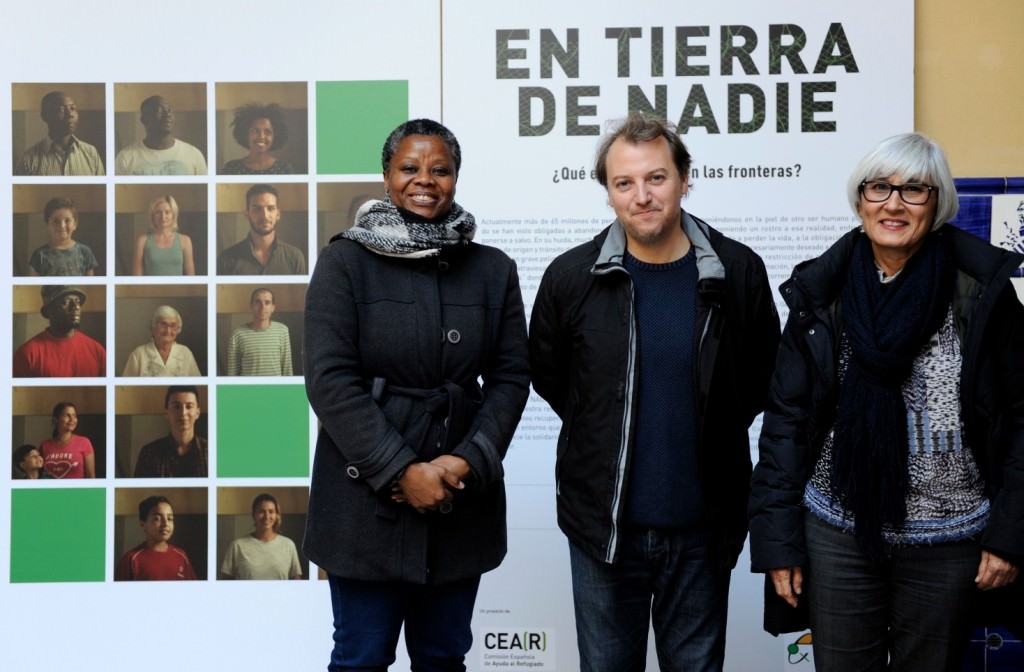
(654, 344)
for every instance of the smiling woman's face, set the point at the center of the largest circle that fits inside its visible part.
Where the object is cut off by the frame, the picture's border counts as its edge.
(261, 136)
(421, 176)
(161, 217)
(265, 516)
(66, 420)
(896, 228)
(165, 330)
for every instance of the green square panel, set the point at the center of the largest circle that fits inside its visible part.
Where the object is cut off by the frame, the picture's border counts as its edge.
(58, 534)
(352, 121)
(262, 430)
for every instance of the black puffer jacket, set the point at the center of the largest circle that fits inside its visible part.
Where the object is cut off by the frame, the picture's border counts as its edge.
(990, 322)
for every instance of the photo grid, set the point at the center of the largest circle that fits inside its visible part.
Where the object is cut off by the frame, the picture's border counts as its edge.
(163, 235)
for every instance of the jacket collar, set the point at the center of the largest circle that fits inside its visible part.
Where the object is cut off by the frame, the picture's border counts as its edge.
(982, 261)
(815, 283)
(818, 281)
(613, 248)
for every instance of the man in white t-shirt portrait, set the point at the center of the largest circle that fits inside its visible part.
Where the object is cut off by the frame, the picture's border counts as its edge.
(159, 152)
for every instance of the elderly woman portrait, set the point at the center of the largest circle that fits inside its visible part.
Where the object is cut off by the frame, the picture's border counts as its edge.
(162, 356)
(259, 129)
(163, 250)
(407, 505)
(266, 553)
(890, 488)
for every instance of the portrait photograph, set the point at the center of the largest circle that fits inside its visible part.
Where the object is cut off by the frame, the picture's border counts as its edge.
(59, 230)
(59, 331)
(257, 338)
(160, 129)
(65, 429)
(259, 533)
(150, 416)
(59, 129)
(244, 221)
(160, 331)
(167, 544)
(160, 229)
(262, 128)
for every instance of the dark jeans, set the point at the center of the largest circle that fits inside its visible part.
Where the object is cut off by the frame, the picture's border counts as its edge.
(909, 611)
(659, 574)
(368, 616)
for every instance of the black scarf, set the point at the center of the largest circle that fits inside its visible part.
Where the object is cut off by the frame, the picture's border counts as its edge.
(384, 228)
(886, 325)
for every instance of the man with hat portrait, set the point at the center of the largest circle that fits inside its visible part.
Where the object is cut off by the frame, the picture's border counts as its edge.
(61, 350)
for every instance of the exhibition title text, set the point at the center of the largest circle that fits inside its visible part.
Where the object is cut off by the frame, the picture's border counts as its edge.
(795, 73)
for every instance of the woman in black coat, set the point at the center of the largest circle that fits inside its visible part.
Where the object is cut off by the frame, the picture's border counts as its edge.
(405, 318)
(890, 485)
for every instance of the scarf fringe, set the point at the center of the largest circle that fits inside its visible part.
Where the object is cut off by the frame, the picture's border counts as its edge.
(886, 326)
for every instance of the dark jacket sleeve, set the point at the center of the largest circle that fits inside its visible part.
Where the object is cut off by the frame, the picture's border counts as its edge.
(550, 351)
(1004, 534)
(762, 339)
(370, 445)
(506, 387)
(777, 485)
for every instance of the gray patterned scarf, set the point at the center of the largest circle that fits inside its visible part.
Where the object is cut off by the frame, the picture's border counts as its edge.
(384, 228)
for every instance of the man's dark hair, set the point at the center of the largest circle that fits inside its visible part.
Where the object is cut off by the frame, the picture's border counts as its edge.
(52, 98)
(147, 505)
(149, 102)
(55, 204)
(257, 189)
(179, 389)
(637, 128)
(261, 290)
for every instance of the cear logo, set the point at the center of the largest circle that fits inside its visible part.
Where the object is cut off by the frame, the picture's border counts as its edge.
(517, 641)
(796, 655)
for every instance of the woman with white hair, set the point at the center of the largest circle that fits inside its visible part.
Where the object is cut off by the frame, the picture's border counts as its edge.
(890, 487)
(162, 356)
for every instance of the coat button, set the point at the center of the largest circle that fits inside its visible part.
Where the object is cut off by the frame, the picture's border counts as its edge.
(454, 336)
(446, 507)
(352, 471)
(811, 332)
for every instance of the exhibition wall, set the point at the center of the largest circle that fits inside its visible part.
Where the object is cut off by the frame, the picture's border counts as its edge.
(777, 102)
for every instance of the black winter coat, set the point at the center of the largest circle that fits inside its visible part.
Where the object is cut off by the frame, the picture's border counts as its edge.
(582, 352)
(804, 394)
(394, 350)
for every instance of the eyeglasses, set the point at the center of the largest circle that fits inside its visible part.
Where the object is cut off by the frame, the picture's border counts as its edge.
(912, 193)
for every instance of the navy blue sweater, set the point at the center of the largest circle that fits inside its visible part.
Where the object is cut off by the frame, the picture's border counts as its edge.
(664, 490)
